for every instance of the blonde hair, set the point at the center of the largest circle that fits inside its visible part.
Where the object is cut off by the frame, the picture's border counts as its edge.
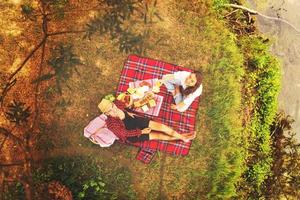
(104, 105)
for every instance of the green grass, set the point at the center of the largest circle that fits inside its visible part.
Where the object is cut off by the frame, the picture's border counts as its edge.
(263, 83)
(230, 82)
(221, 110)
(225, 119)
(87, 178)
(195, 36)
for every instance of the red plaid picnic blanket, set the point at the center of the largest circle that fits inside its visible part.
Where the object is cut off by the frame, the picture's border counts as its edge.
(139, 68)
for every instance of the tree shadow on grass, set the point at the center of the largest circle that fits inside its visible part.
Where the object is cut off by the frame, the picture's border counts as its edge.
(128, 24)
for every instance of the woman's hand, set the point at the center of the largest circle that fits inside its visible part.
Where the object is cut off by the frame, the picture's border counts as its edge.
(178, 106)
(173, 106)
(146, 130)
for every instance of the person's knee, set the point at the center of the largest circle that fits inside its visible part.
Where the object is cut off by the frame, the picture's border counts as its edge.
(154, 136)
(169, 86)
(178, 98)
(156, 125)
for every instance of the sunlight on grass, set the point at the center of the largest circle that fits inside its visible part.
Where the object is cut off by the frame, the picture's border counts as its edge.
(87, 66)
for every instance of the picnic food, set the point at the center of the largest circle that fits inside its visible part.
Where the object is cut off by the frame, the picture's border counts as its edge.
(145, 83)
(144, 100)
(145, 108)
(126, 98)
(152, 103)
(121, 96)
(158, 83)
(131, 90)
(110, 97)
(155, 89)
(140, 92)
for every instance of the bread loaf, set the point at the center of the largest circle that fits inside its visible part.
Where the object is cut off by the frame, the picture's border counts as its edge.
(144, 100)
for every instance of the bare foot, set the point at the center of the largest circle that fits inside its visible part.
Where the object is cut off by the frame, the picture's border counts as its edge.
(189, 136)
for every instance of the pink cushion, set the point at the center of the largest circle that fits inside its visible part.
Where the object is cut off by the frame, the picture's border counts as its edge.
(97, 132)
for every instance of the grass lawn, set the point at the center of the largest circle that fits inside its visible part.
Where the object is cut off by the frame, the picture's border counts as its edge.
(193, 39)
(187, 33)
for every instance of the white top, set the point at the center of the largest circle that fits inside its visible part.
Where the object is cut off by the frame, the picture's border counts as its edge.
(180, 77)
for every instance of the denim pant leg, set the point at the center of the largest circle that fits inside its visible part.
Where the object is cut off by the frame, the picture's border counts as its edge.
(170, 85)
(178, 98)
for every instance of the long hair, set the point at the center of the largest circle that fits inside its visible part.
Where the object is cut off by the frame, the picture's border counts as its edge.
(191, 89)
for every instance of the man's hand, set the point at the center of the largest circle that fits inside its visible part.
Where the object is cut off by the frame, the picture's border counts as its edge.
(146, 130)
(131, 114)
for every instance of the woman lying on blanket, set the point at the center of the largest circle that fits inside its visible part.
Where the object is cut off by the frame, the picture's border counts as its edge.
(132, 128)
(184, 86)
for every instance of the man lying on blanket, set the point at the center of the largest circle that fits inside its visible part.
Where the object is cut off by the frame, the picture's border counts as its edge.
(129, 127)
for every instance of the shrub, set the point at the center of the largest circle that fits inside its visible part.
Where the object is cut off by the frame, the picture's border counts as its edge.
(13, 191)
(86, 179)
(264, 85)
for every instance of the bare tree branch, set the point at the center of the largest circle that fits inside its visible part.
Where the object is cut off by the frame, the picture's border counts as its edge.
(254, 12)
(5, 90)
(7, 133)
(95, 8)
(12, 81)
(66, 32)
(36, 95)
(2, 182)
(1, 146)
(27, 58)
(18, 163)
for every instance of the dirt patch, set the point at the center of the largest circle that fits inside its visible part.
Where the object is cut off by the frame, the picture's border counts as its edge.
(286, 43)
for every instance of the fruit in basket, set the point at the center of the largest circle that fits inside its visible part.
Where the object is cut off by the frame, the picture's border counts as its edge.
(126, 98)
(110, 97)
(121, 96)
